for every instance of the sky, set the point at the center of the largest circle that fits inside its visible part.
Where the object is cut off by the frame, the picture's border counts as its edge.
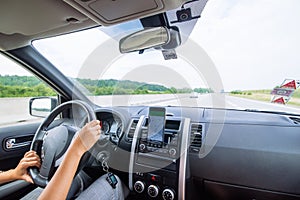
(254, 44)
(256, 39)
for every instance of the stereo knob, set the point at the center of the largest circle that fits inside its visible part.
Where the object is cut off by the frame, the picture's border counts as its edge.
(172, 152)
(153, 191)
(142, 147)
(168, 194)
(139, 186)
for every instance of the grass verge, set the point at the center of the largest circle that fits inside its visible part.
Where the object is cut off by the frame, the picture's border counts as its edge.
(265, 95)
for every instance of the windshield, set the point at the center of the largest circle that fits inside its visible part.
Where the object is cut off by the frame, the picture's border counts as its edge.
(240, 55)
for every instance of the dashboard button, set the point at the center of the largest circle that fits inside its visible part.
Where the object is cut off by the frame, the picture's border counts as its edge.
(153, 191)
(139, 186)
(153, 177)
(168, 194)
(142, 147)
(172, 152)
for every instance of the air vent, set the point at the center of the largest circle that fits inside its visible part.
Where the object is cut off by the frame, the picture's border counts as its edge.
(132, 129)
(196, 137)
(295, 120)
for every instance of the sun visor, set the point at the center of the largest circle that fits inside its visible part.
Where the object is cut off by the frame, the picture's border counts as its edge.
(109, 12)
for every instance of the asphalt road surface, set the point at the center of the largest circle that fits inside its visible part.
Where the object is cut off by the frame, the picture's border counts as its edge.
(20, 111)
(226, 101)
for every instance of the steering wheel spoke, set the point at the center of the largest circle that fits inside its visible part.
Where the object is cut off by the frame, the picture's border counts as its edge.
(48, 162)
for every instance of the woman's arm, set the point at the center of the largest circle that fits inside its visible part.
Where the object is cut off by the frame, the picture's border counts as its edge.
(30, 159)
(60, 184)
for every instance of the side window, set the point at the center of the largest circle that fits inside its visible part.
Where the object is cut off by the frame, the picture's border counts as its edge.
(17, 87)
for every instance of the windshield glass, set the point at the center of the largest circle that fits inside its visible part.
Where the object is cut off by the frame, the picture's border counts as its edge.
(240, 55)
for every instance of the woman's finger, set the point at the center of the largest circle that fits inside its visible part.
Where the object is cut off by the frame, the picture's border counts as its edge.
(31, 159)
(94, 123)
(29, 153)
(31, 164)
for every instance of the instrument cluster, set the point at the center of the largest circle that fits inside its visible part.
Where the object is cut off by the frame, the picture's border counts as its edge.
(111, 126)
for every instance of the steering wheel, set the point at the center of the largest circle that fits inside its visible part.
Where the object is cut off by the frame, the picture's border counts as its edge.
(51, 144)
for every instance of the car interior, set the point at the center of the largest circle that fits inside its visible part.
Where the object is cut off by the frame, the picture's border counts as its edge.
(159, 152)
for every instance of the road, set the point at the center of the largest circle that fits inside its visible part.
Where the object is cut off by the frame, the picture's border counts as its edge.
(20, 108)
(226, 101)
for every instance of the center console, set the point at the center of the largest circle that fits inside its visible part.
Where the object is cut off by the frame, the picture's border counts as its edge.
(158, 156)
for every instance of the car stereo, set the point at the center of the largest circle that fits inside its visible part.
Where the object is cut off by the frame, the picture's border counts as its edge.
(158, 165)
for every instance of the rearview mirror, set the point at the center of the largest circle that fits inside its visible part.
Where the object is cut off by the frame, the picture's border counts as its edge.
(145, 39)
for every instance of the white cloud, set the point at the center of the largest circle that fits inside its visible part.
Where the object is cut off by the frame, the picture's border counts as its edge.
(254, 44)
(9, 67)
(68, 52)
(150, 68)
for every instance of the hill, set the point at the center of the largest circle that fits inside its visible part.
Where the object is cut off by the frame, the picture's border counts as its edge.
(29, 86)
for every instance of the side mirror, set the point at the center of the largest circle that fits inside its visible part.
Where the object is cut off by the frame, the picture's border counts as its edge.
(145, 39)
(42, 106)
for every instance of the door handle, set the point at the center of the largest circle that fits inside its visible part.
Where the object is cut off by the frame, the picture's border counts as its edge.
(12, 144)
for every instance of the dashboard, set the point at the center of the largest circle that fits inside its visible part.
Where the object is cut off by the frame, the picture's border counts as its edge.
(112, 125)
(207, 153)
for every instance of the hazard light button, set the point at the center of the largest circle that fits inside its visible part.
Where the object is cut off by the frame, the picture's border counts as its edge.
(153, 177)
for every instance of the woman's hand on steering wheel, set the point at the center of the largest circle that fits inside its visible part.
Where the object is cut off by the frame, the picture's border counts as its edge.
(51, 142)
(61, 182)
(88, 136)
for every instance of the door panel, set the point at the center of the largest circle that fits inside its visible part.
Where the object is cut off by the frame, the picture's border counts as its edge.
(19, 137)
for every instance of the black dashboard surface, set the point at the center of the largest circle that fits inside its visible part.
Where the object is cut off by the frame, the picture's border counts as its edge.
(252, 150)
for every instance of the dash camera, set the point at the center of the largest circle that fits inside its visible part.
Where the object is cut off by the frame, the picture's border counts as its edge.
(184, 15)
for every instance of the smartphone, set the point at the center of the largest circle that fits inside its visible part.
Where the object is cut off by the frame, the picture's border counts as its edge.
(156, 124)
